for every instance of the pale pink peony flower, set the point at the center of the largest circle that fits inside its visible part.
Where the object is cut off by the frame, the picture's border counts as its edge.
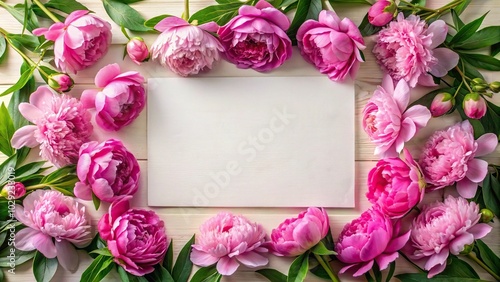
(120, 99)
(229, 240)
(295, 236)
(407, 49)
(387, 121)
(382, 12)
(331, 45)
(256, 38)
(79, 42)
(108, 170)
(54, 224)
(184, 48)
(13, 191)
(442, 228)
(449, 157)
(136, 238)
(137, 50)
(61, 126)
(441, 104)
(396, 185)
(474, 106)
(370, 238)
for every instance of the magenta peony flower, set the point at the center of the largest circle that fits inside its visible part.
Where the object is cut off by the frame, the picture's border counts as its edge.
(441, 104)
(382, 12)
(79, 42)
(371, 237)
(396, 185)
(331, 45)
(60, 82)
(449, 157)
(136, 238)
(229, 240)
(184, 48)
(442, 228)
(295, 236)
(61, 126)
(13, 190)
(137, 50)
(407, 49)
(54, 224)
(108, 170)
(256, 38)
(474, 106)
(120, 100)
(387, 121)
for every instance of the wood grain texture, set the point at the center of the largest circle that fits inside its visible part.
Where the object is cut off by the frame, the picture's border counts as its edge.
(181, 223)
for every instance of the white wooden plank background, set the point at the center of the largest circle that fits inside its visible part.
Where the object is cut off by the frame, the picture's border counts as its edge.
(181, 223)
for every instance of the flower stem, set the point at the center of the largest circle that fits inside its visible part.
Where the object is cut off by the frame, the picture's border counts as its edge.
(484, 266)
(46, 11)
(327, 268)
(185, 14)
(464, 78)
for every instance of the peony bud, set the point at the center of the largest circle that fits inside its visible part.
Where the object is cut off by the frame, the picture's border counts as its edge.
(467, 249)
(382, 12)
(15, 191)
(480, 88)
(486, 215)
(60, 82)
(474, 106)
(137, 50)
(495, 86)
(478, 81)
(442, 104)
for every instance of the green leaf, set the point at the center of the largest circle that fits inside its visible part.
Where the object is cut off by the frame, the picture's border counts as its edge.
(481, 61)
(124, 15)
(206, 274)
(319, 271)
(467, 31)
(98, 269)
(392, 268)
(97, 243)
(366, 28)
(42, 14)
(491, 199)
(102, 252)
(96, 201)
(151, 23)
(168, 262)
(2, 278)
(23, 80)
(322, 250)
(129, 1)
(483, 38)
(457, 22)
(495, 49)
(306, 9)
(333, 2)
(272, 275)
(29, 169)
(3, 48)
(461, 7)
(459, 268)
(183, 265)
(160, 274)
(127, 277)
(19, 96)
(486, 255)
(66, 6)
(44, 268)
(6, 168)
(419, 277)
(20, 257)
(298, 269)
(29, 42)
(221, 14)
(18, 13)
(6, 131)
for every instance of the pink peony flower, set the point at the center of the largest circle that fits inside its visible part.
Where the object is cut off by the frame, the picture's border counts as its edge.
(256, 38)
(295, 236)
(60, 82)
(387, 121)
(449, 157)
(61, 126)
(331, 45)
(137, 50)
(79, 42)
(136, 238)
(229, 240)
(396, 185)
(442, 228)
(474, 106)
(441, 104)
(184, 48)
(54, 224)
(120, 99)
(407, 49)
(382, 12)
(368, 239)
(108, 170)
(13, 190)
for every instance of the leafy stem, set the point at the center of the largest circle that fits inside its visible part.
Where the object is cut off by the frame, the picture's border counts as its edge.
(46, 11)
(484, 266)
(185, 14)
(464, 77)
(327, 268)
(458, 89)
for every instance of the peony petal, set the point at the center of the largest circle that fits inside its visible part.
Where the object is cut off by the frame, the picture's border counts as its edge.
(45, 245)
(119, 207)
(457, 245)
(439, 29)
(105, 75)
(397, 243)
(30, 112)
(41, 98)
(227, 266)
(24, 136)
(252, 259)
(439, 258)
(363, 269)
(201, 258)
(426, 79)
(210, 27)
(486, 144)
(480, 230)
(75, 15)
(170, 22)
(67, 255)
(88, 98)
(419, 114)
(384, 260)
(402, 95)
(83, 191)
(436, 270)
(446, 60)
(477, 170)
(388, 84)
(24, 238)
(466, 188)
